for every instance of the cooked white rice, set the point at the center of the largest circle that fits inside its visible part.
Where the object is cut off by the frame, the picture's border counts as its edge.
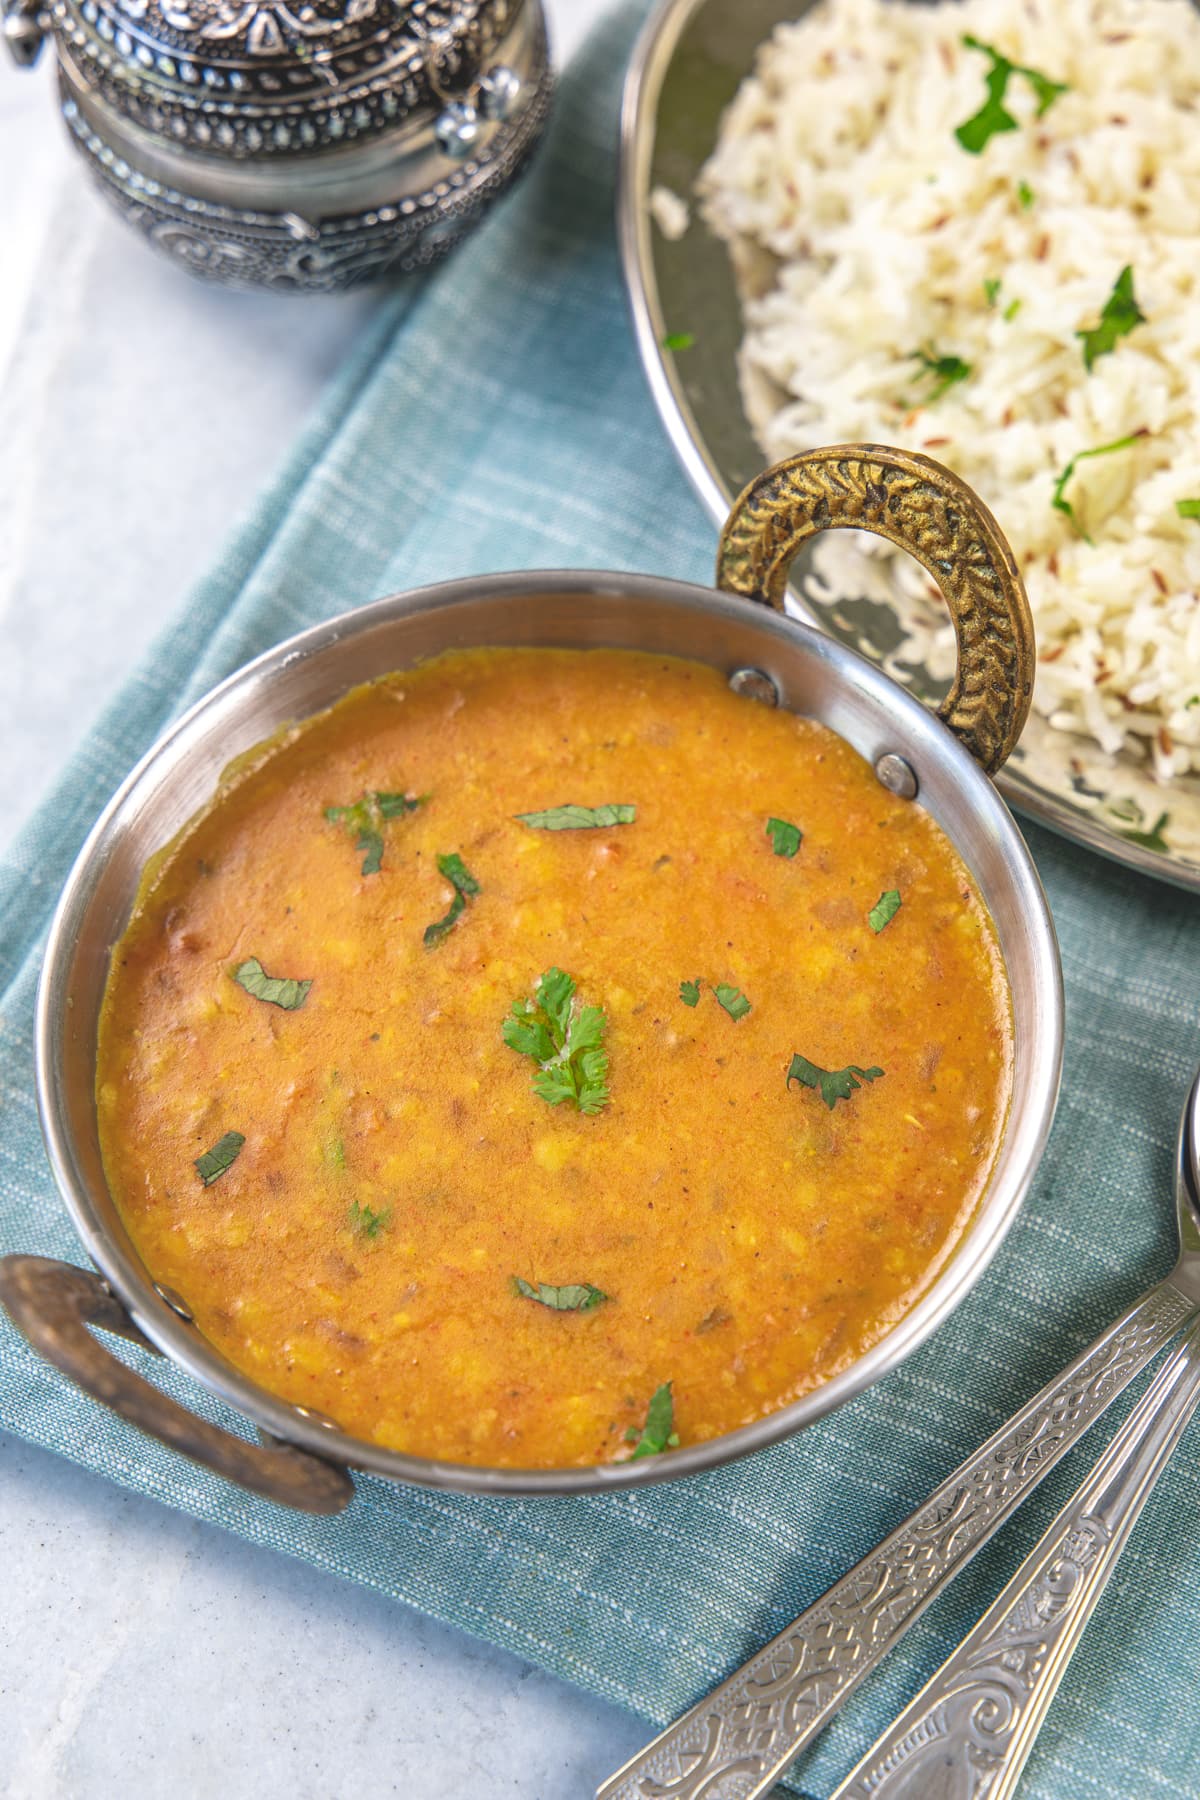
(838, 156)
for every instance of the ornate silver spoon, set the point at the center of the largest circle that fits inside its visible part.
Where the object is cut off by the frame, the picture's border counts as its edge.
(970, 1729)
(735, 1744)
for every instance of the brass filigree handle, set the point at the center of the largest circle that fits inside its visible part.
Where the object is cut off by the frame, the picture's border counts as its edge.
(928, 511)
(54, 1303)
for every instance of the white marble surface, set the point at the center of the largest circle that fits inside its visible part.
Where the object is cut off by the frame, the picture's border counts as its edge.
(141, 1652)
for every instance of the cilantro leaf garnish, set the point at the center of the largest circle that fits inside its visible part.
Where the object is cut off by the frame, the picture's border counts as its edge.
(1010, 312)
(565, 1040)
(579, 818)
(465, 888)
(1047, 91)
(576, 1296)
(945, 370)
(1060, 503)
(366, 1222)
(678, 340)
(213, 1164)
(835, 1084)
(991, 288)
(1025, 195)
(884, 910)
(1152, 839)
(394, 806)
(785, 837)
(732, 999)
(1121, 313)
(658, 1433)
(993, 116)
(1188, 509)
(364, 816)
(277, 990)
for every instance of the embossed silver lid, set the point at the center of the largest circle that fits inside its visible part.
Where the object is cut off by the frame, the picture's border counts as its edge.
(299, 143)
(268, 78)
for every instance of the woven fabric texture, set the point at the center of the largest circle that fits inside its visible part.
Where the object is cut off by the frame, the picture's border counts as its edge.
(496, 417)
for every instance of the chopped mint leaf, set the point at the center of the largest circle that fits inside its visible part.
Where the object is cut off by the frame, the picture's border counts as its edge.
(732, 999)
(366, 1222)
(785, 837)
(394, 806)
(213, 1164)
(884, 910)
(363, 817)
(658, 1433)
(465, 888)
(277, 990)
(579, 818)
(576, 1296)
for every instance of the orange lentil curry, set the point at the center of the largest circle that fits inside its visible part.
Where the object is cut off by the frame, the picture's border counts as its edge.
(547, 1057)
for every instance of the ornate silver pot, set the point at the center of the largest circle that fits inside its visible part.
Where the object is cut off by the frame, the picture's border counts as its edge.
(296, 144)
(942, 762)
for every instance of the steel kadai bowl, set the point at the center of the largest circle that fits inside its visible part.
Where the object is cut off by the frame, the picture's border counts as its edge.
(942, 763)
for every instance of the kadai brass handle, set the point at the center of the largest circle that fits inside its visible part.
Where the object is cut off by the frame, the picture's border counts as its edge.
(925, 509)
(53, 1304)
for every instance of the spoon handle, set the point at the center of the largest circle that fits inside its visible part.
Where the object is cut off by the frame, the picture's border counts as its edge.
(981, 1712)
(735, 1744)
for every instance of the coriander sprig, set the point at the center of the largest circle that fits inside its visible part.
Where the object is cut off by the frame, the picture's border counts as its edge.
(565, 1040)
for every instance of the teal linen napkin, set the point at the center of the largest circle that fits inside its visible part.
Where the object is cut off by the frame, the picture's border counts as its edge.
(496, 417)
